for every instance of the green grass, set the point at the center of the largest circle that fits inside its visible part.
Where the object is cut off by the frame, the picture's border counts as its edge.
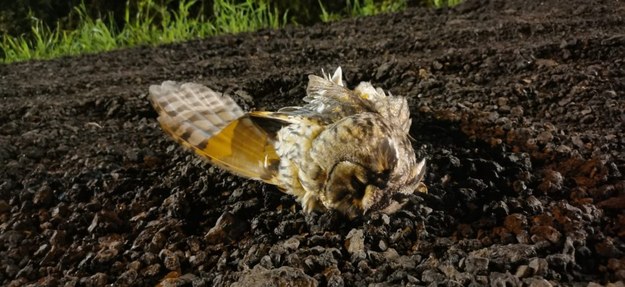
(359, 8)
(444, 3)
(150, 24)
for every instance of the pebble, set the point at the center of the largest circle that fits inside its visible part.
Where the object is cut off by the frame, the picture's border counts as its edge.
(127, 278)
(544, 137)
(503, 279)
(559, 262)
(506, 255)
(283, 276)
(534, 205)
(43, 196)
(227, 227)
(537, 282)
(57, 238)
(523, 271)
(545, 232)
(515, 223)
(355, 244)
(382, 245)
(96, 280)
(4, 206)
(170, 260)
(151, 270)
(552, 181)
(291, 244)
(476, 264)
(429, 276)
(538, 266)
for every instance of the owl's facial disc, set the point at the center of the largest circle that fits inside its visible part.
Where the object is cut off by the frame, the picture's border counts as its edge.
(352, 189)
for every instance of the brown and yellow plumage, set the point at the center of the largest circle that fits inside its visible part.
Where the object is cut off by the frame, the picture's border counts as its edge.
(344, 149)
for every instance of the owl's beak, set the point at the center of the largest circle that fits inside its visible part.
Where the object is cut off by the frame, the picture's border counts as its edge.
(370, 198)
(421, 169)
(421, 187)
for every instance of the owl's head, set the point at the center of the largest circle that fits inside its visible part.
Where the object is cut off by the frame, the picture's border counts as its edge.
(356, 188)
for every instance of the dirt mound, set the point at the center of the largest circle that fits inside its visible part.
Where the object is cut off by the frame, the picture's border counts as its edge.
(519, 107)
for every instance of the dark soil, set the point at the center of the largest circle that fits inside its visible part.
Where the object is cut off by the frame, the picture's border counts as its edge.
(519, 107)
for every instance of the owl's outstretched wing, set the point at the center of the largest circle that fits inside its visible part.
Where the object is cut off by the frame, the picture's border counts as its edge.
(216, 128)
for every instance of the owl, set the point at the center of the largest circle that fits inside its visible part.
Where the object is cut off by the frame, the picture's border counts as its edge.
(343, 149)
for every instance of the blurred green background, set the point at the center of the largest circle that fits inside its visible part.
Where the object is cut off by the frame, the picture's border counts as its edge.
(16, 16)
(43, 29)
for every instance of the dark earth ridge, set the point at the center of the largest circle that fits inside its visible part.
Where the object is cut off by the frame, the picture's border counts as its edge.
(519, 107)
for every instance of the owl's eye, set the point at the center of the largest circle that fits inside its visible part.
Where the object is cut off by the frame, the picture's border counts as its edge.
(358, 187)
(346, 180)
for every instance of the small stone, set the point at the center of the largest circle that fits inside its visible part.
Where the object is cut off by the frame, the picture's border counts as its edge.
(60, 211)
(173, 279)
(335, 280)
(386, 219)
(42, 250)
(198, 258)
(578, 142)
(283, 276)
(134, 155)
(544, 137)
(476, 265)
(134, 265)
(430, 275)
(517, 111)
(515, 223)
(390, 254)
(291, 244)
(383, 70)
(539, 282)
(4, 207)
(170, 260)
(500, 208)
(128, 277)
(11, 270)
(437, 65)
(545, 232)
(615, 284)
(465, 230)
(538, 266)
(564, 149)
(57, 238)
(506, 255)
(266, 262)
(26, 272)
(502, 101)
(382, 245)
(523, 271)
(519, 186)
(607, 249)
(98, 279)
(151, 270)
(227, 227)
(503, 279)
(355, 244)
(43, 196)
(559, 262)
(149, 258)
(534, 205)
(552, 181)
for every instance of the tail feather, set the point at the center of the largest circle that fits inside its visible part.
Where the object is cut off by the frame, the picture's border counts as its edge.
(216, 128)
